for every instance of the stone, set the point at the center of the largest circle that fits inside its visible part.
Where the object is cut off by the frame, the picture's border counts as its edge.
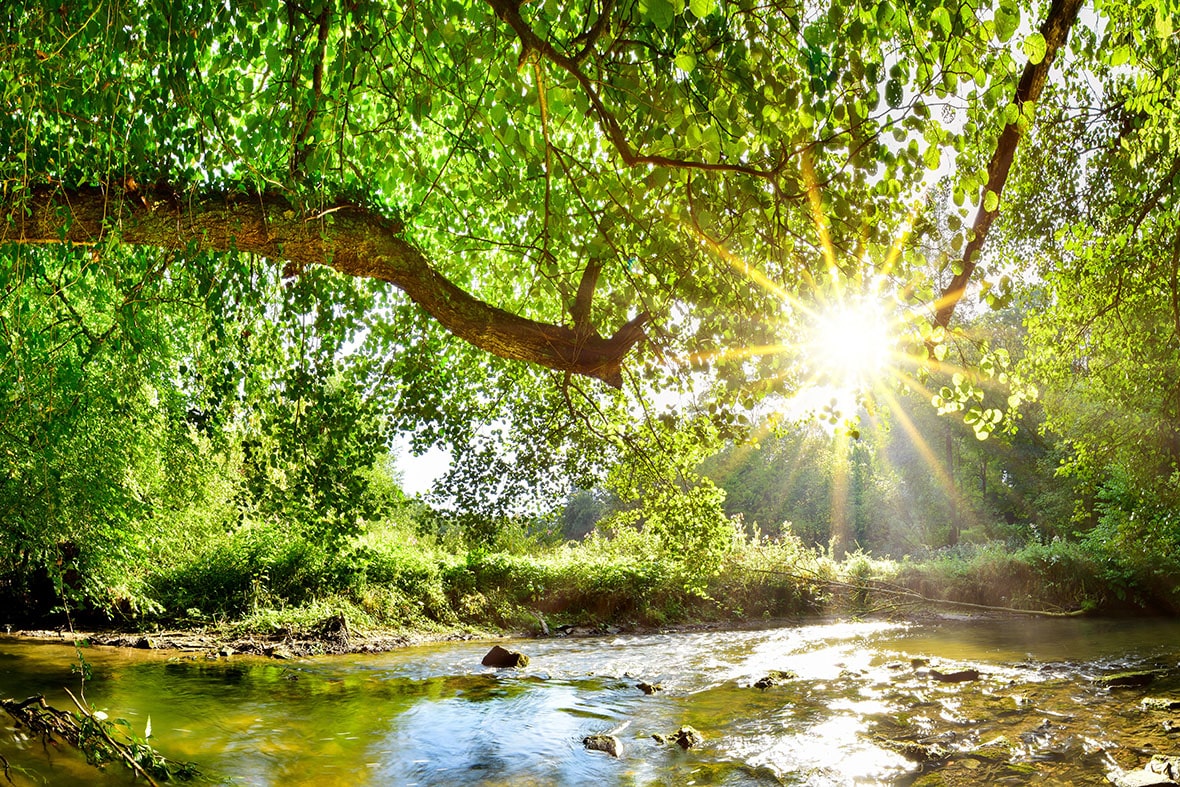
(501, 658)
(649, 688)
(1160, 703)
(1143, 778)
(775, 677)
(687, 737)
(604, 743)
(1127, 680)
(1165, 766)
(918, 752)
(959, 676)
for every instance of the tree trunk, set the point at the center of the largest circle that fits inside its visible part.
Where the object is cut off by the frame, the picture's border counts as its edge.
(1062, 15)
(351, 240)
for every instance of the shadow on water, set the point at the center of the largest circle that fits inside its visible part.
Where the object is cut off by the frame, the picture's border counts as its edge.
(857, 703)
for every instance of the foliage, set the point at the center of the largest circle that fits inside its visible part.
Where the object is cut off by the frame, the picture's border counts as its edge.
(194, 418)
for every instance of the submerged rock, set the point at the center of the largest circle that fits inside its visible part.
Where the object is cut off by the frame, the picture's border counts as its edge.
(604, 743)
(687, 737)
(1165, 766)
(775, 677)
(649, 688)
(1127, 680)
(958, 676)
(996, 750)
(1160, 703)
(1142, 778)
(918, 752)
(503, 658)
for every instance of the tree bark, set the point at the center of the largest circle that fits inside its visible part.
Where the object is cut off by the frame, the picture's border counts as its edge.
(351, 240)
(1062, 15)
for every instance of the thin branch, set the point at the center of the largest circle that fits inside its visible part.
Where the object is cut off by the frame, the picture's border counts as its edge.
(300, 149)
(509, 11)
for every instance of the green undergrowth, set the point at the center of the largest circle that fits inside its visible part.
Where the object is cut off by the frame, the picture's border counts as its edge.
(260, 580)
(268, 578)
(1061, 575)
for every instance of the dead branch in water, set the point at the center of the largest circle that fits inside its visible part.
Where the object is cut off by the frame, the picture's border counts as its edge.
(897, 591)
(91, 735)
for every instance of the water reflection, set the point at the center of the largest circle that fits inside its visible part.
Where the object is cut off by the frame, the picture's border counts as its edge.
(858, 711)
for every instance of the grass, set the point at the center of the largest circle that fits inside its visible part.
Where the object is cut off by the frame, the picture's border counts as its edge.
(266, 578)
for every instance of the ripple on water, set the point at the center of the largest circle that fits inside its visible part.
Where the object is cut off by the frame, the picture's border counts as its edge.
(434, 715)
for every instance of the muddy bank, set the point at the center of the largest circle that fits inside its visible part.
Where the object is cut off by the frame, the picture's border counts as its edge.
(333, 636)
(278, 645)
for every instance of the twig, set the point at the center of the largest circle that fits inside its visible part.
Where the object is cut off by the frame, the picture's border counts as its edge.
(122, 750)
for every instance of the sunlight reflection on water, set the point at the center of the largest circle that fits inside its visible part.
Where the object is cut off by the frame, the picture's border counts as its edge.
(433, 715)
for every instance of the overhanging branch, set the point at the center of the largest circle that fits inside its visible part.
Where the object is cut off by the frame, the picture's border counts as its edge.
(1058, 23)
(353, 241)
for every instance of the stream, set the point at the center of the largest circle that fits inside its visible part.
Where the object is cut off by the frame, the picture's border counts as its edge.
(859, 702)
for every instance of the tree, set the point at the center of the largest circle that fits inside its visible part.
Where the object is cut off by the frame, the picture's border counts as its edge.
(647, 193)
(529, 173)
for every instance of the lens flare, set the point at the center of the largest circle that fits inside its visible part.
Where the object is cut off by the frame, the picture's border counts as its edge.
(850, 345)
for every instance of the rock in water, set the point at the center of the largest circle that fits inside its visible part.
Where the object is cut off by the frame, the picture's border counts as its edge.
(1144, 778)
(959, 676)
(1160, 703)
(774, 678)
(1127, 680)
(607, 743)
(1165, 766)
(649, 688)
(918, 752)
(502, 657)
(686, 737)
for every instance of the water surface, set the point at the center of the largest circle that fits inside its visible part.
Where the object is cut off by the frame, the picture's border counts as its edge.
(432, 715)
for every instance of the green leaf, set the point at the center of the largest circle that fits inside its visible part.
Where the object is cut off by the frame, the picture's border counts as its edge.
(991, 201)
(1006, 20)
(1163, 22)
(1034, 47)
(686, 61)
(659, 12)
(941, 18)
(933, 157)
(701, 8)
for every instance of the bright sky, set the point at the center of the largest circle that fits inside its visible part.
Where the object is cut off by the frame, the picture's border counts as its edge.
(419, 472)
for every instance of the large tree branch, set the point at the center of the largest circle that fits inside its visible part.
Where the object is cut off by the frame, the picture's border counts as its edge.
(351, 240)
(1062, 15)
(509, 11)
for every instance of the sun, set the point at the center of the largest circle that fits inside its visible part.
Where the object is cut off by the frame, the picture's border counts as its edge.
(849, 345)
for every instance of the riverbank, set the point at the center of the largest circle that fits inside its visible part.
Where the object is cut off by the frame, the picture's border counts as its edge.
(330, 639)
(397, 594)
